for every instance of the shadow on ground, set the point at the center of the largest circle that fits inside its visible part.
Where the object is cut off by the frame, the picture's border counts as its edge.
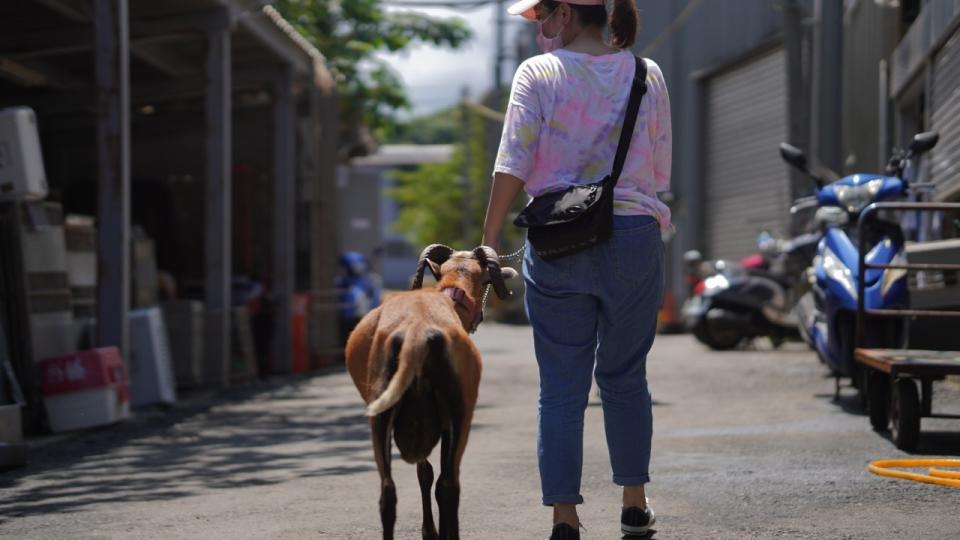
(933, 442)
(267, 434)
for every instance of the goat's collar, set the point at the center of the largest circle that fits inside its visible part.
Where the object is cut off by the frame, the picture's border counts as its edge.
(460, 298)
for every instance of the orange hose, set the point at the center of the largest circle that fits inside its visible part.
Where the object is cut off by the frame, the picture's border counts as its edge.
(940, 477)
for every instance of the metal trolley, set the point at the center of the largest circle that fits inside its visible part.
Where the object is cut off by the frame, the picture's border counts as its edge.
(890, 375)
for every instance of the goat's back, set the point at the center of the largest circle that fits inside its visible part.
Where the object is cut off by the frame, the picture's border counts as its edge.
(403, 314)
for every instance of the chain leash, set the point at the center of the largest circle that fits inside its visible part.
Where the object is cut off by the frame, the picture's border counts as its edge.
(516, 255)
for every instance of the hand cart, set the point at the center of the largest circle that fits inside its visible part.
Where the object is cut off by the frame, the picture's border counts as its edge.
(890, 375)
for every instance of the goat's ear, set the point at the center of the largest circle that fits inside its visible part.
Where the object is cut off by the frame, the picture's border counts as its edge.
(434, 269)
(508, 273)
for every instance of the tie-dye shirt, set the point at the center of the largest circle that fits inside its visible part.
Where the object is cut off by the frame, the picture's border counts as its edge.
(563, 123)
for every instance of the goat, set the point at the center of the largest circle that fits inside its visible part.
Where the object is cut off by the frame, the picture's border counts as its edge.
(419, 373)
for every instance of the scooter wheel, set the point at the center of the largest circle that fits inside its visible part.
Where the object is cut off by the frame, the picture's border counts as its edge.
(905, 415)
(722, 337)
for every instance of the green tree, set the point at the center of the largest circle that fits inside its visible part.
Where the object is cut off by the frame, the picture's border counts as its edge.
(442, 127)
(432, 199)
(350, 33)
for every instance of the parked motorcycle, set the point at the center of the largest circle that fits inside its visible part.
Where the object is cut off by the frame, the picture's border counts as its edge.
(827, 316)
(752, 298)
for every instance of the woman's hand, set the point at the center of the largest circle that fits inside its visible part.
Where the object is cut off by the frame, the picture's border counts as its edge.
(504, 191)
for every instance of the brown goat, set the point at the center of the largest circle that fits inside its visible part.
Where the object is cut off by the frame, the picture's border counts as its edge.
(419, 373)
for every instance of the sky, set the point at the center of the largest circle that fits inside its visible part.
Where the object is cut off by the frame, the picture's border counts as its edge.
(435, 77)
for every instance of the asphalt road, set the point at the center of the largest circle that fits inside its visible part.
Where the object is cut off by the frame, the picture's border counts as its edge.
(747, 444)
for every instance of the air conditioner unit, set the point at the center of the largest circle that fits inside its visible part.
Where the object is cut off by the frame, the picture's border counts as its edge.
(22, 176)
(151, 372)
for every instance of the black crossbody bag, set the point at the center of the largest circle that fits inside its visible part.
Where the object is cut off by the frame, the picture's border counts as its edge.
(563, 222)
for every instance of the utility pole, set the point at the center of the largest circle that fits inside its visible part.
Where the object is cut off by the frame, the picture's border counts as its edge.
(465, 174)
(827, 140)
(798, 96)
(498, 61)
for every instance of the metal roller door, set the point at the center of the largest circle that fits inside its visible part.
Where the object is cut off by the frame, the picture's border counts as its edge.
(746, 183)
(945, 165)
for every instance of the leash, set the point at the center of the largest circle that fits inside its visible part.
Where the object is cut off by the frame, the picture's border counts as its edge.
(516, 255)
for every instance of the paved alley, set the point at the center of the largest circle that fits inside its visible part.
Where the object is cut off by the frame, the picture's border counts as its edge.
(747, 444)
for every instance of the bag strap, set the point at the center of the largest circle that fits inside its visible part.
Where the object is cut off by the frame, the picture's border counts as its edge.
(637, 91)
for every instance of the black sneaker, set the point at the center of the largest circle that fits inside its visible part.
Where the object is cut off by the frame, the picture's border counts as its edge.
(563, 531)
(635, 522)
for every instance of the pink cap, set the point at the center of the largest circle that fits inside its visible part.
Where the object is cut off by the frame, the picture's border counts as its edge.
(524, 8)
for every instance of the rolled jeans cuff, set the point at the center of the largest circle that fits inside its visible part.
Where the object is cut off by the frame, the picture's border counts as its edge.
(631, 480)
(562, 499)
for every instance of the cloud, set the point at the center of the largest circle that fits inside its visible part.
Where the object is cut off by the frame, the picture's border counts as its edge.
(435, 77)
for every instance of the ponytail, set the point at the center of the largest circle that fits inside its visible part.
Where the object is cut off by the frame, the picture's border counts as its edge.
(624, 23)
(624, 20)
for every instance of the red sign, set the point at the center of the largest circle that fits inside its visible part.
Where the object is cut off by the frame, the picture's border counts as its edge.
(84, 370)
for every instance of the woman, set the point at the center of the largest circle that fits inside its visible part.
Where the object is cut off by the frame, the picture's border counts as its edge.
(595, 310)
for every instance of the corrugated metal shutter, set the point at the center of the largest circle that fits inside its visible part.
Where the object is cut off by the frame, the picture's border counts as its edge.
(945, 170)
(747, 189)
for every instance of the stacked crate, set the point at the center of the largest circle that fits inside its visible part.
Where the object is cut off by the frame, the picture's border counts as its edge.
(184, 321)
(81, 240)
(50, 304)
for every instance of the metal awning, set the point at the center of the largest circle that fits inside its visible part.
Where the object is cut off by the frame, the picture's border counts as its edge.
(47, 47)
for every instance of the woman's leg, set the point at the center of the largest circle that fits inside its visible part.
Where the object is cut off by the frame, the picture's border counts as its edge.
(564, 328)
(627, 326)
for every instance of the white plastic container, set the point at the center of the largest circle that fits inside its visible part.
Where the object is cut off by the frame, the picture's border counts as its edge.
(151, 371)
(85, 389)
(22, 176)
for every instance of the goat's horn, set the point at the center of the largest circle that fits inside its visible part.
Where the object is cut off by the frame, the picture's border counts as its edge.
(437, 253)
(489, 258)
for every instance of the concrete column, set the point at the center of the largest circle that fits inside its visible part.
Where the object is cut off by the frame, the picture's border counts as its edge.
(284, 208)
(217, 229)
(112, 60)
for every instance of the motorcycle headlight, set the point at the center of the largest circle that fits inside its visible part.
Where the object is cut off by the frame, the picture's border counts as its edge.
(836, 271)
(715, 284)
(856, 198)
(893, 275)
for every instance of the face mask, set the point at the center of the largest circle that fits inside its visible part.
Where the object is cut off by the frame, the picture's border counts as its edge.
(548, 44)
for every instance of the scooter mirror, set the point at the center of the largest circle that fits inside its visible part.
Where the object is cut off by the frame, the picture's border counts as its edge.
(794, 156)
(923, 142)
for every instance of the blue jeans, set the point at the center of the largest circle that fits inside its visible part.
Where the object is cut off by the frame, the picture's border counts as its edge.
(595, 311)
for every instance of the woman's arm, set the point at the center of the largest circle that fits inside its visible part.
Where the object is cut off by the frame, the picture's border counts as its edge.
(504, 191)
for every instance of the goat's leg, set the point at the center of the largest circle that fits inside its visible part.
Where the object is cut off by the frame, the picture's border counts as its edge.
(381, 430)
(425, 476)
(448, 485)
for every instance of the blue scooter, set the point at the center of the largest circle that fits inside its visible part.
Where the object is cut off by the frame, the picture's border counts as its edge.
(831, 324)
(359, 291)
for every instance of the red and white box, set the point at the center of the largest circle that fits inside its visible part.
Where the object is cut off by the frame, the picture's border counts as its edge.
(85, 389)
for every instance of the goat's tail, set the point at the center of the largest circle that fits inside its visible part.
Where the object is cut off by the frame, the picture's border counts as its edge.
(409, 351)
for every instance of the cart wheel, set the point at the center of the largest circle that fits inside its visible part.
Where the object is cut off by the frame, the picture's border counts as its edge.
(878, 399)
(905, 414)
